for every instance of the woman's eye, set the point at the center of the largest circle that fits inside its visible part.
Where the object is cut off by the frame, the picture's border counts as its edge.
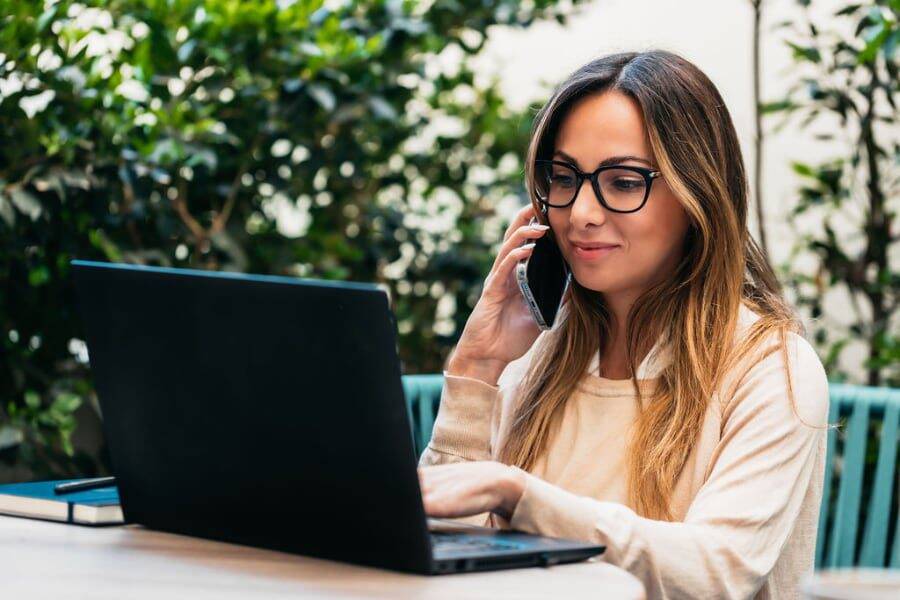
(562, 179)
(628, 185)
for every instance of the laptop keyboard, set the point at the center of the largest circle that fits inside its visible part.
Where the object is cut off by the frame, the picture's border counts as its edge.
(460, 542)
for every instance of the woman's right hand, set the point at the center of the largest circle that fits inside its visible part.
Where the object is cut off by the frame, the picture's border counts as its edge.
(500, 328)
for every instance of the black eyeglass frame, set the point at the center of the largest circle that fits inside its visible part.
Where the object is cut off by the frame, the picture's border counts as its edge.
(648, 174)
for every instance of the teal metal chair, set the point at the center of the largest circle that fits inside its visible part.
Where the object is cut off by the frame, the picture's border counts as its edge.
(847, 537)
(423, 395)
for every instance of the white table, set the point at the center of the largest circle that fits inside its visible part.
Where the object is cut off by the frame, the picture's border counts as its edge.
(51, 560)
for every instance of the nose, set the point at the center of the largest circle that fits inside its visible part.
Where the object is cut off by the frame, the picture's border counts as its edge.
(587, 210)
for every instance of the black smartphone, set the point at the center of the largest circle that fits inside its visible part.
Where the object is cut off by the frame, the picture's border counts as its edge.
(543, 278)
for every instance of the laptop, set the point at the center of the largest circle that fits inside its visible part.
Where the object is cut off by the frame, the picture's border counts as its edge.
(269, 411)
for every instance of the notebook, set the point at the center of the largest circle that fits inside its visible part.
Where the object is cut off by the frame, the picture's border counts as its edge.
(37, 500)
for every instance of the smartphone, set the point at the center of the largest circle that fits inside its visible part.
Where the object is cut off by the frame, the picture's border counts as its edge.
(543, 278)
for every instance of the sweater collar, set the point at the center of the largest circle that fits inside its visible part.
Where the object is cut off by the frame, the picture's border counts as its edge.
(660, 355)
(653, 364)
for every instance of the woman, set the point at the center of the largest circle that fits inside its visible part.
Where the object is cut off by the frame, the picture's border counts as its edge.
(674, 413)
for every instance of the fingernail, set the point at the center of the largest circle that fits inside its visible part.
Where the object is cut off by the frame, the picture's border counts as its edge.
(540, 227)
(531, 245)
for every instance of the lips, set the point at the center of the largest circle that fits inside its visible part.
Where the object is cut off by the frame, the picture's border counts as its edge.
(592, 251)
(593, 246)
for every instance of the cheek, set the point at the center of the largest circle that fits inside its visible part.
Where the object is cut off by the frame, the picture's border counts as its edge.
(671, 219)
(561, 227)
(558, 219)
(655, 235)
(646, 231)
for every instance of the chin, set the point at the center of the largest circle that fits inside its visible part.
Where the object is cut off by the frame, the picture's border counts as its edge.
(595, 282)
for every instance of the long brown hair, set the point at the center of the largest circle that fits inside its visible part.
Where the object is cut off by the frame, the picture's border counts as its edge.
(695, 145)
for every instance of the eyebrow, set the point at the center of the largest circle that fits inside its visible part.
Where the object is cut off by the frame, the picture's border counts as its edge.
(612, 160)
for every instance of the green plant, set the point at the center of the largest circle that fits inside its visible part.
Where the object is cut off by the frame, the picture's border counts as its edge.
(338, 139)
(847, 88)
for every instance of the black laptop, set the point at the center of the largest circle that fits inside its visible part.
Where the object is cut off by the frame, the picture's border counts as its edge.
(269, 411)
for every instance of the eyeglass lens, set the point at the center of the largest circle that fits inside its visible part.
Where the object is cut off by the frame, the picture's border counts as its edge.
(622, 189)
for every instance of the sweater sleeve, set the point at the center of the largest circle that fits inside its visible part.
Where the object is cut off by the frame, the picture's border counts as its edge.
(464, 427)
(468, 420)
(741, 517)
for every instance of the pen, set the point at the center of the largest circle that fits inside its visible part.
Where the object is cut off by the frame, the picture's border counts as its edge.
(84, 485)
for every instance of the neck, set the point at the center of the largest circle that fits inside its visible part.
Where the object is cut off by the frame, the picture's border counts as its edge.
(619, 305)
(614, 363)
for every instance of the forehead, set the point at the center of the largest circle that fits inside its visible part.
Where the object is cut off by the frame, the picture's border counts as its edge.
(603, 125)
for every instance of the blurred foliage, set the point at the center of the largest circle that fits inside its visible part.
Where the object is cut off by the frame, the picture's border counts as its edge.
(847, 89)
(338, 139)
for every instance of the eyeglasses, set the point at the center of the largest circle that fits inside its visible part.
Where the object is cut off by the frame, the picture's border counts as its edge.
(619, 188)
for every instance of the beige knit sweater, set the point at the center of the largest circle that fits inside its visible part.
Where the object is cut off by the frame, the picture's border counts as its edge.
(746, 504)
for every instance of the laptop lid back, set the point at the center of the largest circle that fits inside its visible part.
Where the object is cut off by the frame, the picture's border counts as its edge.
(259, 410)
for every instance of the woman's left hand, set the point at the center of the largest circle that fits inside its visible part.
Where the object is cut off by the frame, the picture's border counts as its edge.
(470, 488)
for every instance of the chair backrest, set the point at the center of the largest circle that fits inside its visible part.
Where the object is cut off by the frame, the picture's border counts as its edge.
(860, 463)
(423, 395)
(850, 534)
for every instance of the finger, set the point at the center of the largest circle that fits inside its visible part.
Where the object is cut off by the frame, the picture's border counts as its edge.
(498, 277)
(456, 503)
(426, 478)
(522, 217)
(520, 236)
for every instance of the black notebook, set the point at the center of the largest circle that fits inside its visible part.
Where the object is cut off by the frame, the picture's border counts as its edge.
(37, 500)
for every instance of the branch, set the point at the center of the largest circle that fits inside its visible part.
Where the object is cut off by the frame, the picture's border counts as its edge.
(854, 302)
(221, 219)
(128, 205)
(179, 203)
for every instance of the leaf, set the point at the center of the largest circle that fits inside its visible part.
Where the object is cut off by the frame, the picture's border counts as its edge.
(809, 53)
(322, 95)
(803, 169)
(76, 178)
(319, 16)
(866, 21)
(47, 18)
(847, 10)
(7, 213)
(10, 437)
(875, 39)
(890, 44)
(204, 157)
(27, 203)
(39, 276)
(167, 151)
(834, 352)
(32, 400)
(310, 49)
(101, 241)
(292, 85)
(186, 49)
(382, 108)
(67, 402)
(777, 106)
